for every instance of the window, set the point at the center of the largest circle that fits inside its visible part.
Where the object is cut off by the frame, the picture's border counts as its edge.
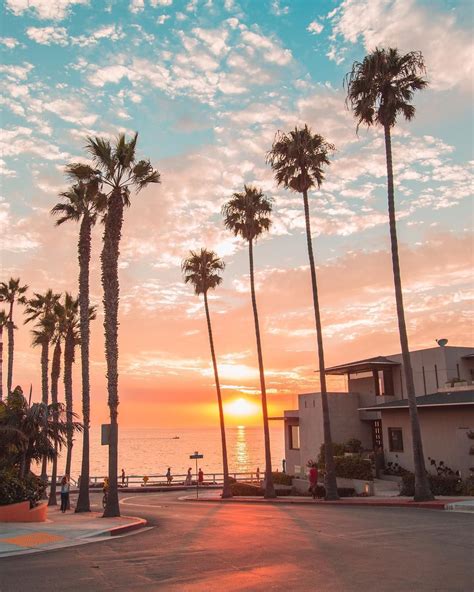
(395, 439)
(381, 383)
(294, 433)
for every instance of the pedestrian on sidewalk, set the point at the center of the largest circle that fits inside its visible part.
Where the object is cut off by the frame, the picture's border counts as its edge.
(201, 477)
(189, 477)
(64, 493)
(123, 477)
(313, 480)
(169, 477)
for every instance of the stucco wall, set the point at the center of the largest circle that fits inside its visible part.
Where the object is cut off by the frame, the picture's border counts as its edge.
(443, 432)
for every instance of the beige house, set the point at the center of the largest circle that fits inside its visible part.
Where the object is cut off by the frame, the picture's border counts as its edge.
(375, 401)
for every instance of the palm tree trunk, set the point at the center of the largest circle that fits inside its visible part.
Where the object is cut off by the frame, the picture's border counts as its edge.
(226, 490)
(269, 487)
(55, 374)
(422, 487)
(83, 501)
(1, 363)
(44, 396)
(68, 361)
(330, 468)
(11, 347)
(110, 283)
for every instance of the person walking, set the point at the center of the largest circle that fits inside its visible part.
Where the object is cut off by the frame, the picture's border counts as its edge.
(313, 479)
(189, 477)
(200, 477)
(64, 493)
(169, 477)
(123, 477)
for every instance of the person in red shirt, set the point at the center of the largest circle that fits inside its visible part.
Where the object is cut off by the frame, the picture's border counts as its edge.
(313, 480)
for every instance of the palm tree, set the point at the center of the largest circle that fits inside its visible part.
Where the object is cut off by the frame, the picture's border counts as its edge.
(11, 292)
(247, 215)
(58, 336)
(82, 203)
(40, 308)
(380, 88)
(3, 323)
(297, 158)
(203, 270)
(119, 173)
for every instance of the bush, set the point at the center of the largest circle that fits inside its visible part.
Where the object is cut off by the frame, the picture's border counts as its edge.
(282, 478)
(342, 491)
(354, 445)
(468, 486)
(353, 467)
(246, 489)
(337, 450)
(393, 468)
(439, 484)
(14, 490)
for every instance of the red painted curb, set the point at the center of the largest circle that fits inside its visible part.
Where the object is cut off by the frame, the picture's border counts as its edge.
(139, 523)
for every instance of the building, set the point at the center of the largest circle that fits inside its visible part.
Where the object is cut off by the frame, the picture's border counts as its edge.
(374, 409)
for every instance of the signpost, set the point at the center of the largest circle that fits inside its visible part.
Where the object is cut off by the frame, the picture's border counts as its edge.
(195, 457)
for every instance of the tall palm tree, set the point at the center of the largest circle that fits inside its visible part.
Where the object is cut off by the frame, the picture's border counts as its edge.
(82, 203)
(58, 336)
(297, 158)
(40, 308)
(119, 173)
(247, 214)
(3, 324)
(202, 270)
(11, 292)
(379, 89)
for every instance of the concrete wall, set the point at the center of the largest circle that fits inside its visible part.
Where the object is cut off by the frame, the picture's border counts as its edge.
(444, 432)
(345, 424)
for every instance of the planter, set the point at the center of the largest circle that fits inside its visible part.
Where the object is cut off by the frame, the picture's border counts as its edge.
(360, 485)
(21, 512)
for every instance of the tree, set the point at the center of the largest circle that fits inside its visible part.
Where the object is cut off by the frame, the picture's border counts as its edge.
(58, 336)
(40, 308)
(11, 292)
(297, 159)
(379, 89)
(118, 173)
(3, 323)
(247, 214)
(202, 270)
(83, 203)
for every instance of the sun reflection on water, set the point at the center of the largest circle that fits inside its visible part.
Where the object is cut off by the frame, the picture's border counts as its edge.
(242, 455)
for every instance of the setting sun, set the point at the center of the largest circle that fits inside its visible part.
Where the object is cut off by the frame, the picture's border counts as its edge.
(241, 408)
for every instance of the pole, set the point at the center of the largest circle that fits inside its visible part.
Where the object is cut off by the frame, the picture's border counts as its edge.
(197, 480)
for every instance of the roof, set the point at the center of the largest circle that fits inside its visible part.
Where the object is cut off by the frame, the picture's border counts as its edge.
(377, 363)
(442, 399)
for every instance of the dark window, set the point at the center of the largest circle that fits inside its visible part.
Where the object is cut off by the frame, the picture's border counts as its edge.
(294, 432)
(457, 368)
(436, 376)
(377, 434)
(395, 439)
(424, 379)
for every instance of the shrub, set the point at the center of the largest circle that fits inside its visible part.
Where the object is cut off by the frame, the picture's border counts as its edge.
(14, 490)
(393, 468)
(468, 486)
(246, 489)
(337, 450)
(282, 478)
(354, 445)
(439, 484)
(342, 491)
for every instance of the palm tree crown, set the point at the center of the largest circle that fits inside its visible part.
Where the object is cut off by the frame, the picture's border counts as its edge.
(82, 199)
(297, 158)
(116, 167)
(11, 291)
(40, 305)
(382, 86)
(247, 214)
(202, 269)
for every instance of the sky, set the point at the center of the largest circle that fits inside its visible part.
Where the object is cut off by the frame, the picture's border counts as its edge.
(207, 84)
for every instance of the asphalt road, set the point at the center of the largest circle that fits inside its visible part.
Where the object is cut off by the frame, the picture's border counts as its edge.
(208, 546)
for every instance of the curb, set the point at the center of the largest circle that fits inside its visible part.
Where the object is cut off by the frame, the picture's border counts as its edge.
(118, 530)
(375, 504)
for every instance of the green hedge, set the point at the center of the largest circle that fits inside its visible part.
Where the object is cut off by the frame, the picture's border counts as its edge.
(246, 489)
(439, 484)
(14, 490)
(353, 467)
(282, 478)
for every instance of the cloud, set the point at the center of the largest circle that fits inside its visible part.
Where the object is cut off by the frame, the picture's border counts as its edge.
(408, 26)
(9, 42)
(315, 28)
(278, 9)
(44, 9)
(48, 35)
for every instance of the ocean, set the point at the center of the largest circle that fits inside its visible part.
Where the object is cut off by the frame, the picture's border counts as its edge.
(150, 451)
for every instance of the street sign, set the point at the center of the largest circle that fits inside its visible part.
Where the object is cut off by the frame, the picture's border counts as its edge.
(196, 456)
(105, 434)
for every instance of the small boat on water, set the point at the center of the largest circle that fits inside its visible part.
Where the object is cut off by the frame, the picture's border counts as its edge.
(175, 438)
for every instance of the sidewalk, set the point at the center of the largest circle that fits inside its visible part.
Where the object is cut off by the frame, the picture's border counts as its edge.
(62, 530)
(441, 502)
